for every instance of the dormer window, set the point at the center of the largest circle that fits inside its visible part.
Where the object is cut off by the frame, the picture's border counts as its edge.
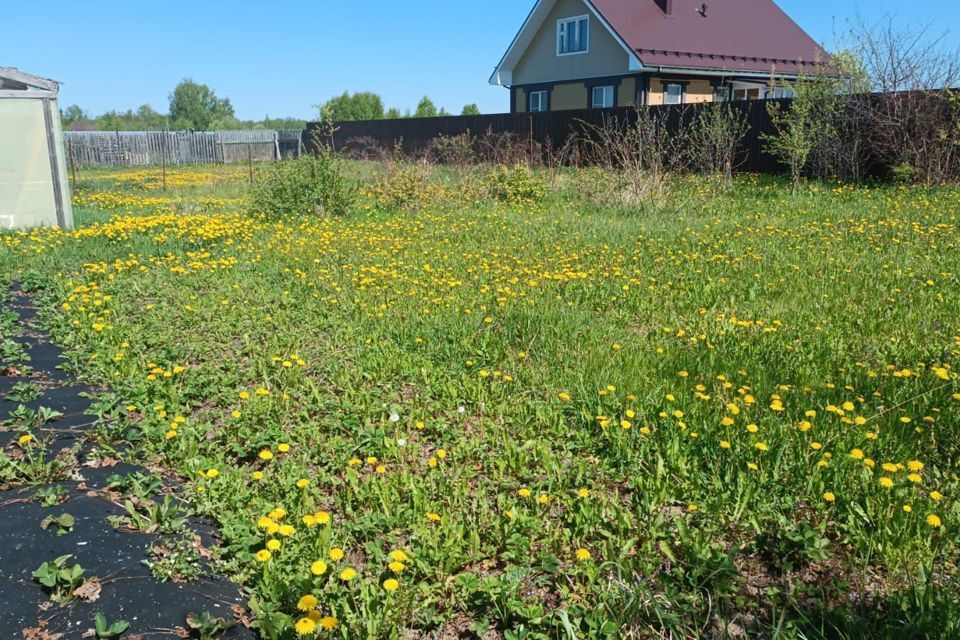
(573, 36)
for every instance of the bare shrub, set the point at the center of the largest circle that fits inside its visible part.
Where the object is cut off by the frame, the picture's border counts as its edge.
(911, 120)
(366, 148)
(715, 138)
(456, 151)
(636, 155)
(508, 149)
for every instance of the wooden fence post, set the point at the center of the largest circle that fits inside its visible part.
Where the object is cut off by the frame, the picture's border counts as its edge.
(163, 158)
(73, 167)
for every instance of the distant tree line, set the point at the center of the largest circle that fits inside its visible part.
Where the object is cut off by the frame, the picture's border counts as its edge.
(366, 105)
(193, 106)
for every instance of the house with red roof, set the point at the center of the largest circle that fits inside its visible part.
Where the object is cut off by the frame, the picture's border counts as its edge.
(579, 54)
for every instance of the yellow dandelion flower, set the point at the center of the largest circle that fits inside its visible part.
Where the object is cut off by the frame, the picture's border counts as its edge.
(328, 622)
(305, 626)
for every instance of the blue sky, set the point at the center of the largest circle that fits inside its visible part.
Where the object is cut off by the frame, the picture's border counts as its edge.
(282, 57)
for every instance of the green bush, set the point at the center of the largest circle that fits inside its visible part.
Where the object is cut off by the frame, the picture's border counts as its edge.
(405, 186)
(312, 185)
(516, 185)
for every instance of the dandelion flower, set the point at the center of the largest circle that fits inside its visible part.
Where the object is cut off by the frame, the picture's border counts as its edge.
(829, 497)
(348, 574)
(336, 554)
(583, 555)
(306, 603)
(328, 622)
(391, 585)
(318, 568)
(934, 521)
(305, 626)
(263, 555)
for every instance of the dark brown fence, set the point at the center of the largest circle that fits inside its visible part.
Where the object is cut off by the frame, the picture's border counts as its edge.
(546, 132)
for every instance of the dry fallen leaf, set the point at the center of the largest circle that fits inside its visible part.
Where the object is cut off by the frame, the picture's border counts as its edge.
(98, 463)
(89, 591)
(40, 633)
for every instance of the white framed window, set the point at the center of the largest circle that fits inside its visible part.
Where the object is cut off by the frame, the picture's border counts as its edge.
(602, 97)
(573, 35)
(538, 101)
(782, 92)
(672, 93)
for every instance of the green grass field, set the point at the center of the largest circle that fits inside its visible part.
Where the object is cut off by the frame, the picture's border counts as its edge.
(736, 418)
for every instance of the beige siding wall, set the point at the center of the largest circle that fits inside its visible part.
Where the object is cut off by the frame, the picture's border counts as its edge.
(655, 95)
(696, 90)
(540, 63)
(628, 90)
(568, 96)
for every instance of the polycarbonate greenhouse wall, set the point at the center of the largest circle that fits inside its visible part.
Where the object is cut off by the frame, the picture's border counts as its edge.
(34, 190)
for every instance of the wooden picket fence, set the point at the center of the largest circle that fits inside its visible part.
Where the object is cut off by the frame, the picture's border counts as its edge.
(143, 148)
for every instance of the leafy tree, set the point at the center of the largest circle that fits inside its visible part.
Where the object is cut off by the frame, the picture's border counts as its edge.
(279, 123)
(393, 114)
(470, 110)
(196, 106)
(73, 115)
(143, 119)
(804, 125)
(362, 105)
(426, 109)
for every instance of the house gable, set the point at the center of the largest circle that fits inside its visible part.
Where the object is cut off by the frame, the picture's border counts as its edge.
(532, 57)
(727, 37)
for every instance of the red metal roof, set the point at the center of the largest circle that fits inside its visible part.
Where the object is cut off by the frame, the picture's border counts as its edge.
(730, 35)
